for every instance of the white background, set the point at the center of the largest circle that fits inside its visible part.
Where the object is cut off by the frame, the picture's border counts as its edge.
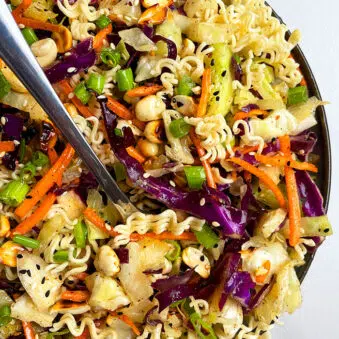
(318, 21)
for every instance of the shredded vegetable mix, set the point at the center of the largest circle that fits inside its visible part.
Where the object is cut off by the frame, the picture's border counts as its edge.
(204, 119)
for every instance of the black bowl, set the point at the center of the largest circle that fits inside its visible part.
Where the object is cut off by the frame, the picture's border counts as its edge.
(323, 147)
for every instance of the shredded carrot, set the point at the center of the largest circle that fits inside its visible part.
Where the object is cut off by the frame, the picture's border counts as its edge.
(263, 177)
(7, 146)
(286, 161)
(246, 149)
(19, 11)
(234, 175)
(260, 279)
(134, 153)
(127, 321)
(201, 152)
(84, 335)
(46, 183)
(38, 215)
(303, 82)
(67, 89)
(95, 219)
(250, 114)
(52, 155)
(247, 176)
(144, 91)
(37, 24)
(294, 212)
(28, 330)
(76, 296)
(81, 276)
(119, 109)
(205, 90)
(101, 36)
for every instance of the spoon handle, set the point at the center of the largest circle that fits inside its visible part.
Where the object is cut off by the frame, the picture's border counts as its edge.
(17, 55)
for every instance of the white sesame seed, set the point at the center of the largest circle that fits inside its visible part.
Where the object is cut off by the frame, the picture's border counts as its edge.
(2, 154)
(251, 153)
(21, 165)
(172, 183)
(146, 175)
(24, 128)
(108, 227)
(67, 54)
(302, 152)
(21, 26)
(202, 201)
(39, 168)
(16, 142)
(71, 69)
(215, 223)
(101, 97)
(71, 95)
(3, 120)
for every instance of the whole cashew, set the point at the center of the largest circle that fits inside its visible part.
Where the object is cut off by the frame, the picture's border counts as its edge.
(45, 51)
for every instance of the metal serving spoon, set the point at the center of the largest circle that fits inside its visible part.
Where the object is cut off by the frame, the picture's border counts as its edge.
(17, 55)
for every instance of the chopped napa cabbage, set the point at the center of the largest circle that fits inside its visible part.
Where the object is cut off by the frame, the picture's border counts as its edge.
(198, 8)
(105, 292)
(137, 311)
(41, 10)
(121, 329)
(136, 38)
(221, 93)
(24, 309)
(94, 200)
(270, 222)
(285, 296)
(95, 233)
(312, 227)
(243, 97)
(42, 286)
(169, 30)
(72, 204)
(5, 299)
(145, 68)
(126, 9)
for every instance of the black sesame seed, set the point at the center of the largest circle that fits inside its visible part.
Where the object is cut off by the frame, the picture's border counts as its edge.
(174, 100)
(202, 258)
(215, 246)
(326, 230)
(259, 189)
(47, 294)
(60, 277)
(217, 98)
(119, 313)
(29, 273)
(43, 280)
(216, 93)
(180, 104)
(288, 163)
(28, 197)
(223, 74)
(212, 62)
(22, 271)
(19, 256)
(281, 177)
(38, 267)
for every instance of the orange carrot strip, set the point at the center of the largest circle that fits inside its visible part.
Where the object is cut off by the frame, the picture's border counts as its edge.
(201, 152)
(95, 219)
(28, 330)
(52, 155)
(294, 212)
(127, 321)
(135, 154)
(37, 24)
(120, 110)
(7, 146)
(84, 335)
(205, 90)
(303, 166)
(67, 89)
(46, 183)
(144, 91)
(77, 296)
(260, 279)
(19, 11)
(250, 114)
(38, 215)
(101, 36)
(263, 177)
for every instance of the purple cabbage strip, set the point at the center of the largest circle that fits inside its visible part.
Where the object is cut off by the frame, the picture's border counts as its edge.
(163, 285)
(171, 46)
(148, 320)
(312, 200)
(249, 108)
(123, 255)
(13, 127)
(232, 220)
(260, 296)
(82, 57)
(237, 70)
(303, 144)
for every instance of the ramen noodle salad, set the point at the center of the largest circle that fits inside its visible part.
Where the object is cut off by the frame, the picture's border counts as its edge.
(200, 112)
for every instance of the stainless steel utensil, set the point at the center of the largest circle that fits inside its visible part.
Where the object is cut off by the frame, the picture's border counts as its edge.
(17, 55)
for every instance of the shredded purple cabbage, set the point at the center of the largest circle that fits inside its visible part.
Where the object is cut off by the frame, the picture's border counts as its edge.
(303, 144)
(123, 255)
(171, 46)
(82, 57)
(237, 70)
(249, 108)
(13, 128)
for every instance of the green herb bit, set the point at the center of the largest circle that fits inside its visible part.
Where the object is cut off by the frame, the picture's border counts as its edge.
(103, 21)
(297, 95)
(110, 57)
(185, 86)
(195, 176)
(80, 234)
(26, 242)
(5, 86)
(175, 252)
(27, 173)
(81, 93)
(120, 172)
(60, 256)
(179, 128)
(207, 237)
(40, 159)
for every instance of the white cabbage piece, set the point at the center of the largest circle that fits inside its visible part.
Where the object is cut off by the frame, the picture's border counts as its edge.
(105, 292)
(198, 8)
(72, 204)
(122, 330)
(270, 222)
(146, 65)
(127, 9)
(24, 309)
(137, 311)
(285, 296)
(136, 38)
(41, 285)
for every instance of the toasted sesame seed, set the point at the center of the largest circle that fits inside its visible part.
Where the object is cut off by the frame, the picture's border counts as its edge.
(3, 120)
(146, 175)
(251, 153)
(71, 95)
(108, 227)
(224, 73)
(19, 256)
(16, 142)
(302, 152)
(67, 54)
(101, 97)
(60, 277)
(202, 201)
(21, 26)
(71, 69)
(172, 183)
(215, 223)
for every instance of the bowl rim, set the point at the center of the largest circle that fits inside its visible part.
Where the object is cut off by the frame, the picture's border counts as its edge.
(324, 176)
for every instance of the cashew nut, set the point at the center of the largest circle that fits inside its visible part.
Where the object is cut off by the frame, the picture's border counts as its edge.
(147, 148)
(150, 108)
(63, 40)
(154, 131)
(45, 51)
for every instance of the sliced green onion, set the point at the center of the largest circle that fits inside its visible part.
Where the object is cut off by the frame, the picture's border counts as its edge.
(96, 82)
(27, 173)
(121, 48)
(179, 128)
(185, 86)
(14, 193)
(60, 256)
(5, 321)
(40, 159)
(5, 311)
(207, 237)
(174, 253)
(297, 95)
(103, 21)
(81, 93)
(178, 303)
(29, 35)
(80, 234)
(5, 86)
(203, 329)
(110, 57)
(120, 171)
(195, 176)
(25, 241)
(118, 132)
(237, 58)
(22, 150)
(125, 79)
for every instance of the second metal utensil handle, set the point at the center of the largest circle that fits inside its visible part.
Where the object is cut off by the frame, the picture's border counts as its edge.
(18, 56)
